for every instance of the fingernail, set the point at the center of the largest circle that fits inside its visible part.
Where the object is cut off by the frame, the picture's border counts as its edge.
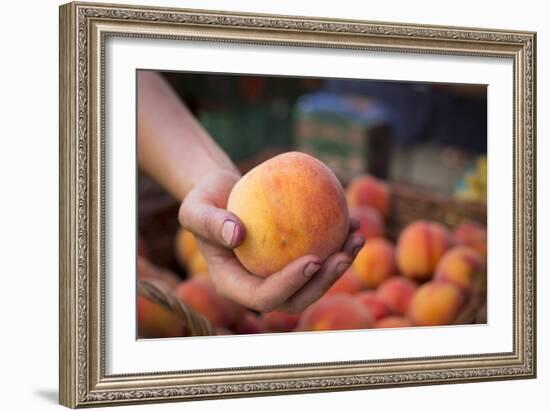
(342, 267)
(311, 269)
(228, 232)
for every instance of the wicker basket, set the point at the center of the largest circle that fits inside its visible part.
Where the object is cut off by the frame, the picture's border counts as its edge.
(194, 324)
(410, 203)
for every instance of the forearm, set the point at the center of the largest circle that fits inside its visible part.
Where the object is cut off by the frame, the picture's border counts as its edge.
(172, 146)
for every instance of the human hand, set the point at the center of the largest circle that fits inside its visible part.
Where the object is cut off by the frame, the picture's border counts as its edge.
(218, 231)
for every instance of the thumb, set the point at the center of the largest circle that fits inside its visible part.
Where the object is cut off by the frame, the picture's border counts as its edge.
(213, 224)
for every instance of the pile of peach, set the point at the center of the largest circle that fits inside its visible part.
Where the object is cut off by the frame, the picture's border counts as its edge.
(424, 279)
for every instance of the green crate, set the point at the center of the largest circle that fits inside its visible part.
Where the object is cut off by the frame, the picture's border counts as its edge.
(246, 131)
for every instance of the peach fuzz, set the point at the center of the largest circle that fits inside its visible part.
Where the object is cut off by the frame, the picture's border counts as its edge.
(393, 321)
(200, 296)
(371, 223)
(375, 263)
(278, 321)
(156, 321)
(435, 303)
(397, 293)
(459, 266)
(366, 190)
(339, 312)
(250, 323)
(472, 234)
(291, 205)
(419, 247)
(348, 283)
(377, 308)
(186, 246)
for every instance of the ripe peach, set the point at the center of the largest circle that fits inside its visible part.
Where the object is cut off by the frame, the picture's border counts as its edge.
(250, 323)
(375, 262)
(459, 266)
(278, 321)
(348, 283)
(199, 294)
(397, 293)
(435, 303)
(369, 191)
(156, 321)
(377, 308)
(291, 205)
(419, 247)
(147, 271)
(393, 321)
(471, 234)
(339, 312)
(186, 246)
(371, 223)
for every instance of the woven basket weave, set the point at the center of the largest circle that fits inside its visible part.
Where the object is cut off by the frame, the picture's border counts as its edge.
(194, 324)
(410, 203)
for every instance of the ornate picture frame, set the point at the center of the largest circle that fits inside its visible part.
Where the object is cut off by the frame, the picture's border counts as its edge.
(84, 29)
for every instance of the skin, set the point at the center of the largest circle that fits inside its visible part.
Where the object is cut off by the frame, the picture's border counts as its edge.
(175, 150)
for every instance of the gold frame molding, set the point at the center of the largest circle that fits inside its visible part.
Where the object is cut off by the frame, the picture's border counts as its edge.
(84, 28)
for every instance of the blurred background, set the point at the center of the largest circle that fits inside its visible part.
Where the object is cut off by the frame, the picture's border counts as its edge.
(427, 134)
(424, 144)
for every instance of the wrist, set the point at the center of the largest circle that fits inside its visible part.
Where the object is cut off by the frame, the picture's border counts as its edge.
(226, 171)
(231, 174)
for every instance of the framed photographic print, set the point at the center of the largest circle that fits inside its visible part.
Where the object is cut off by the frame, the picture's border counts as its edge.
(260, 205)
